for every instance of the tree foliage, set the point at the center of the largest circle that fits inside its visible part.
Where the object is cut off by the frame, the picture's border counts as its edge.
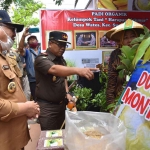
(6, 3)
(24, 15)
(23, 10)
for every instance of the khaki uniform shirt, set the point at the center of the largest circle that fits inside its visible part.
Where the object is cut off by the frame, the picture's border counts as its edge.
(48, 86)
(14, 133)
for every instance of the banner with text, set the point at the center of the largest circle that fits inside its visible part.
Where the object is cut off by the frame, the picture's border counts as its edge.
(88, 25)
(135, 110)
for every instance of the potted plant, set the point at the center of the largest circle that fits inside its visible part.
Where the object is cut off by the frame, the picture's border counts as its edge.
(89, 102)
(84, 97)
(99, 99)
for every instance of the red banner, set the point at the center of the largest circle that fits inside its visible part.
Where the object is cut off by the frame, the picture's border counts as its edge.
(86, 20)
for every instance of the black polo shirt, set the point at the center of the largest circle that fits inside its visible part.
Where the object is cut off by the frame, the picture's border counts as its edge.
(48, 86)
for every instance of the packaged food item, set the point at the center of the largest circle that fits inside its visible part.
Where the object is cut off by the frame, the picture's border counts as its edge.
(50, 144)
(52, 134)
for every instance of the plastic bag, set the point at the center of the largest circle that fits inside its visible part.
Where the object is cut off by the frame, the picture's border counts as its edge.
(110, 130)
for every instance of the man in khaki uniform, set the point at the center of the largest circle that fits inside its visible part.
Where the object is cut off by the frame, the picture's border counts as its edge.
(51, 84)
(14, 110)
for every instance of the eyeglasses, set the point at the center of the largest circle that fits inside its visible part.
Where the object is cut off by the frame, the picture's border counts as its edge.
(9, 27)
(60, 44)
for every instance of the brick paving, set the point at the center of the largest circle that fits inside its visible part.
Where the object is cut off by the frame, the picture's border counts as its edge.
(35, 134)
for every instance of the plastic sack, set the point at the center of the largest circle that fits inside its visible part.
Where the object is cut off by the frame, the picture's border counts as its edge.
(111, 131)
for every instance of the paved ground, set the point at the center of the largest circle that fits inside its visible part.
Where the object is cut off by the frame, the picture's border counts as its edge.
(34, 133)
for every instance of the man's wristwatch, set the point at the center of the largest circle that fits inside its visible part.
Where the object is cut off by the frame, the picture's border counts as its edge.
(67, 93)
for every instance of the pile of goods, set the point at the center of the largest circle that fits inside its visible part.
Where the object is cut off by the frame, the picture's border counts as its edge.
(51, 140)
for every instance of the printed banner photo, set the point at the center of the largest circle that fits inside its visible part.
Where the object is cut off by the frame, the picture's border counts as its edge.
(86, 28)
(112, 4)
(139, 5)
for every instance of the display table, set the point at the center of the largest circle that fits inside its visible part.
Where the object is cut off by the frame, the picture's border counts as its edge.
(51, 140)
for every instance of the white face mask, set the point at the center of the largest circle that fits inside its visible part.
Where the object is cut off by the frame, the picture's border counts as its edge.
(6, 45)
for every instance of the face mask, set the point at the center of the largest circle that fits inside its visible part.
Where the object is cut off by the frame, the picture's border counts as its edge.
(33, 45)
(6, 45)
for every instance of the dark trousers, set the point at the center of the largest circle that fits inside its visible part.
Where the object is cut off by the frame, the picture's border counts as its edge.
(32, 88)
(51, 116)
